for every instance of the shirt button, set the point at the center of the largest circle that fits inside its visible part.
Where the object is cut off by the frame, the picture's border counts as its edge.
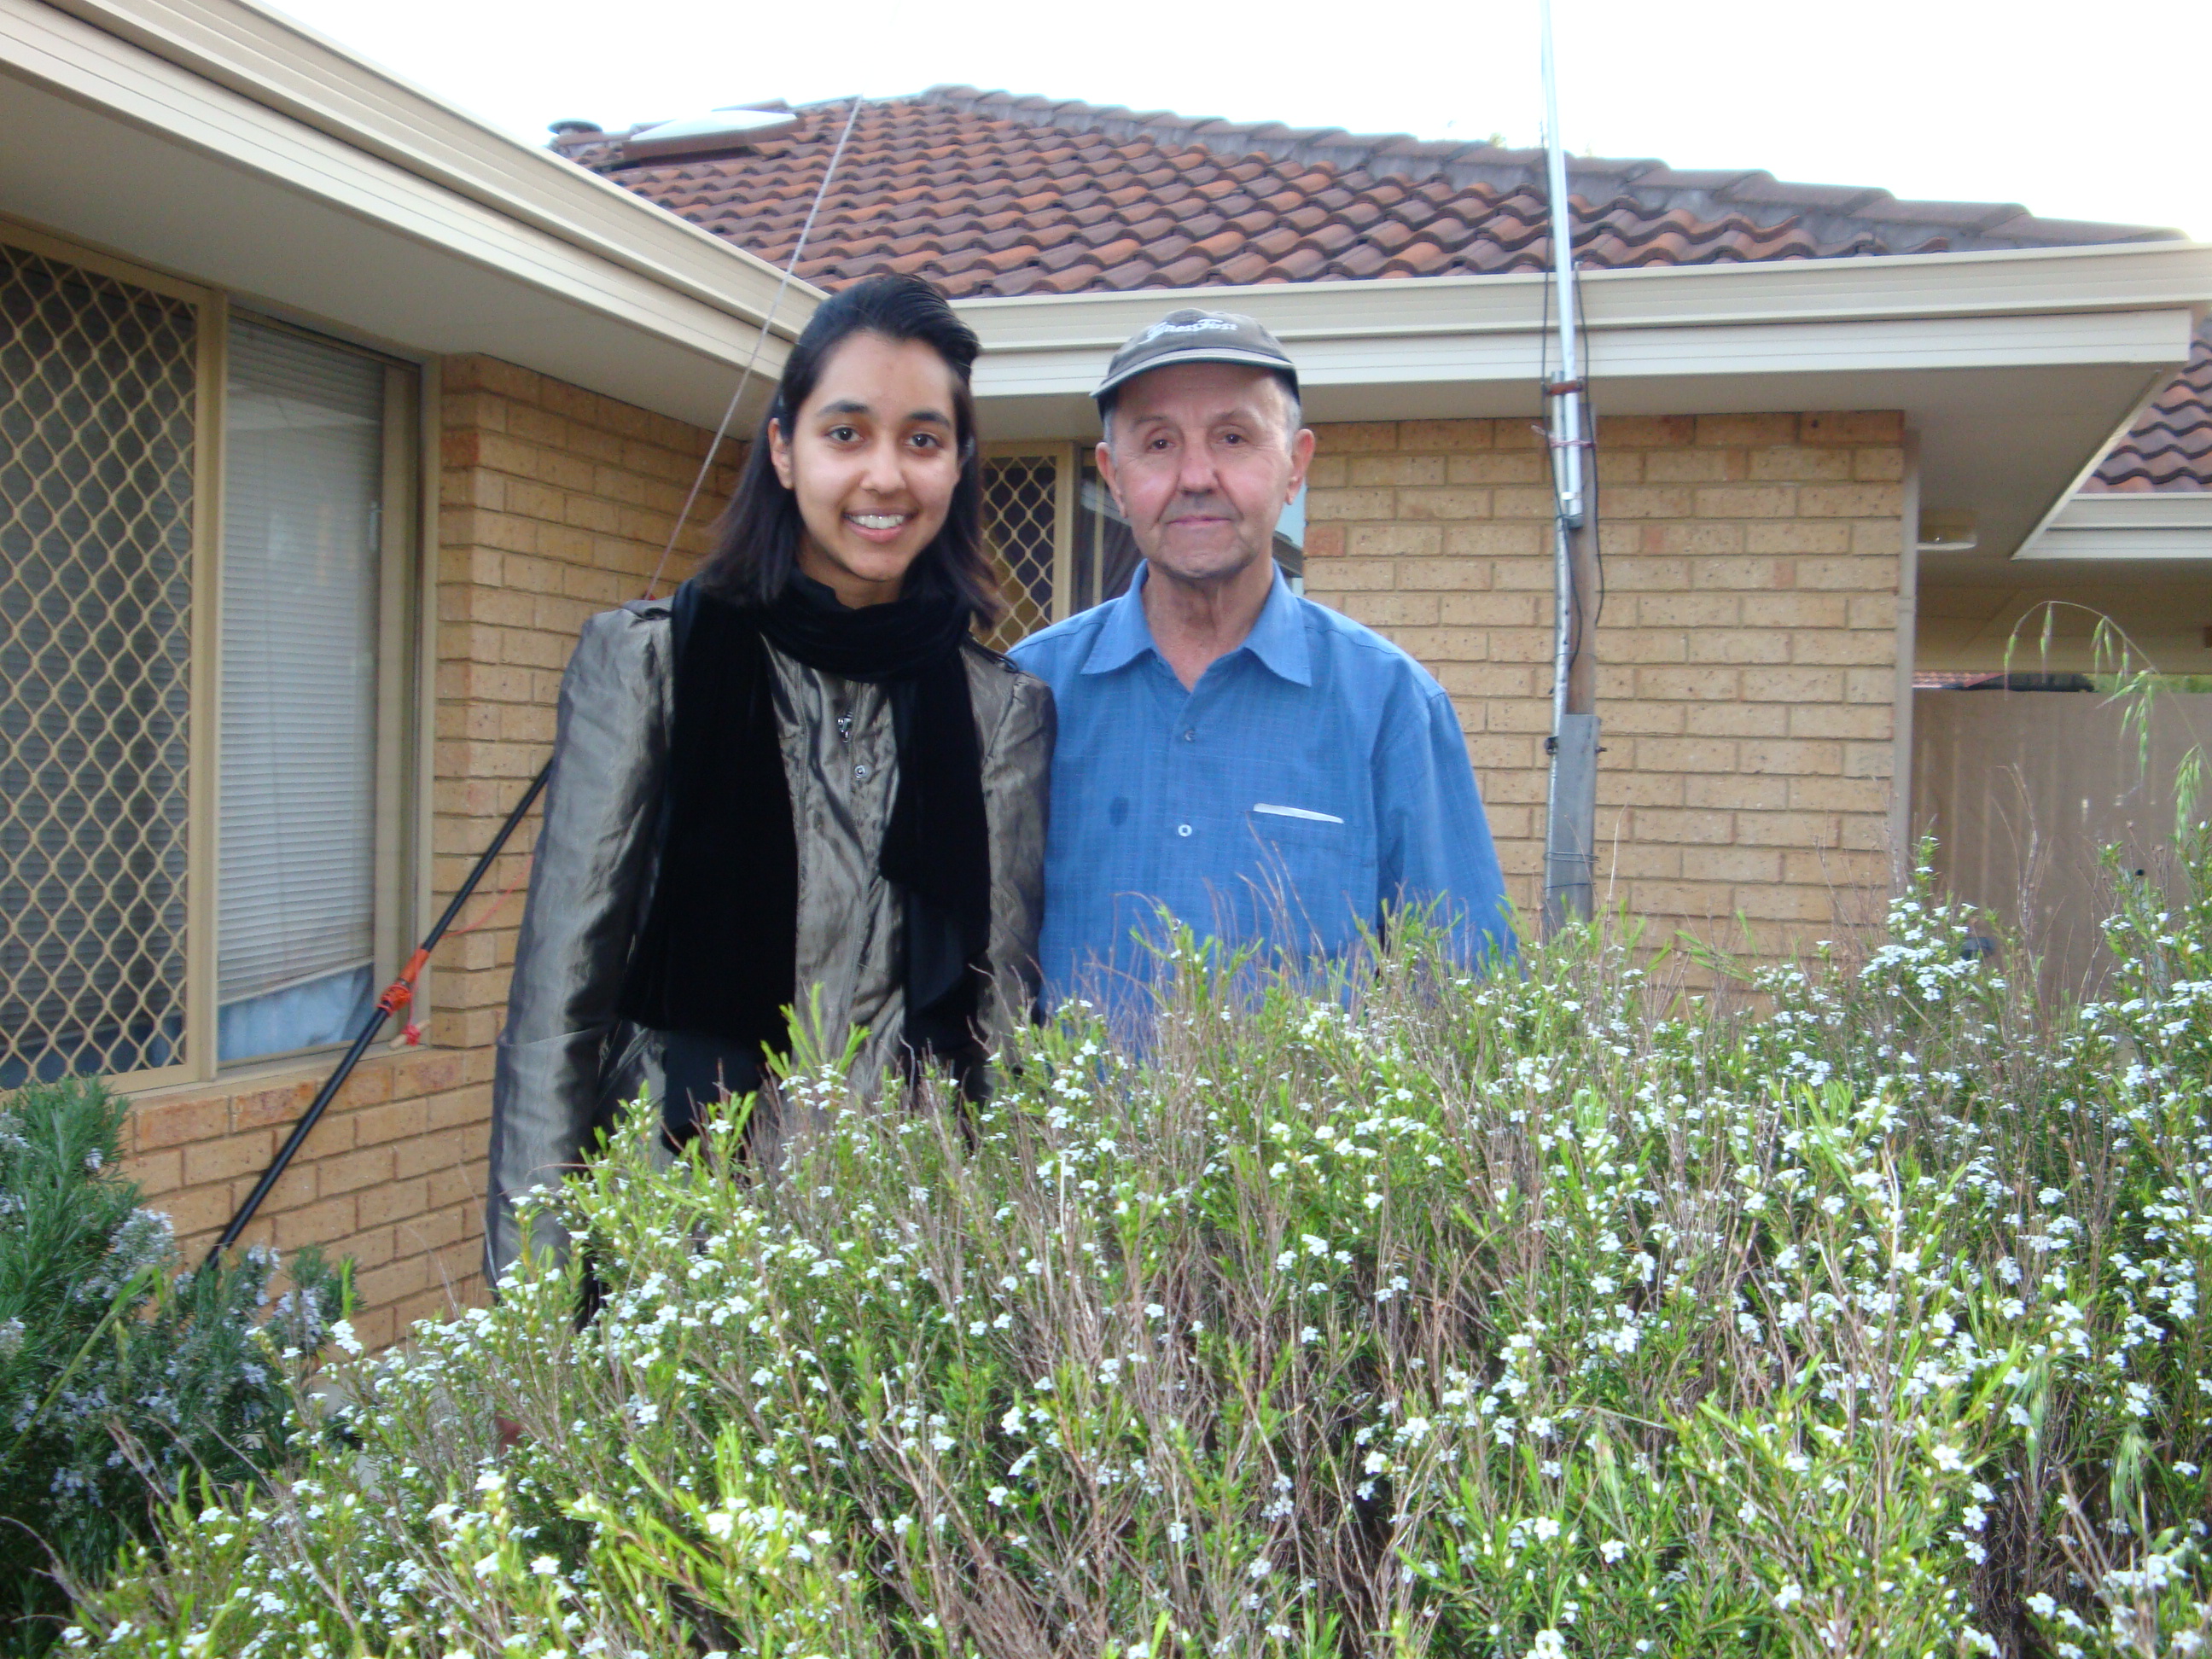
(1182, 829)
(1190, 735)
(861, 771)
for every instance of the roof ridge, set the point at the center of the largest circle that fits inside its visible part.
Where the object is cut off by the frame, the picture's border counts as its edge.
(1828, 212)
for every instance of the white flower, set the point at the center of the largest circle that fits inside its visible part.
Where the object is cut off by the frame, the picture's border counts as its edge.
(1613, 1549)
(1947, 1457)
(2041, 1606)
(1546, 1527)
(1790, 1594)
(1261, 1567)
(545, 1566)
(341, 1334)
(1548, 1644)
(491, 1480)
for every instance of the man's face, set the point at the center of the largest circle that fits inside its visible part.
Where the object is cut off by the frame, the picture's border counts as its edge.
(1203, 467)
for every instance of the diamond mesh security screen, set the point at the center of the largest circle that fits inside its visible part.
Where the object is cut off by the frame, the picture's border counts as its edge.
(96, 451)
(1020, 494)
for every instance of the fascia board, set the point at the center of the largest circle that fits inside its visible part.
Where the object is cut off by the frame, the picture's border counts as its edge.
(2120, 545)
(1681, 353)
(308, 88)
(2019, 282)
(2123, 526)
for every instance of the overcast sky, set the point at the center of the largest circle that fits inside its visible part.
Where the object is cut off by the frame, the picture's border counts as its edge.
(2076, 110)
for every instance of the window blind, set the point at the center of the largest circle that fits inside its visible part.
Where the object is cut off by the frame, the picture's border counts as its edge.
(303, 484)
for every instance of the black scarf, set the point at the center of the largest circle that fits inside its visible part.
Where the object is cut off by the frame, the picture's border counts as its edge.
(718, 953)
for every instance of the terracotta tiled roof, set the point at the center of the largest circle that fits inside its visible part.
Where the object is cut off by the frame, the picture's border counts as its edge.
(988, 195)
(2169, 446)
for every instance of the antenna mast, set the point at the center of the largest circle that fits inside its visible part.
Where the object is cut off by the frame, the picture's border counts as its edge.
(1570, 819)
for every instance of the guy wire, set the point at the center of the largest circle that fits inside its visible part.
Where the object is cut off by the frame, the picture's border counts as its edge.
(722, 429)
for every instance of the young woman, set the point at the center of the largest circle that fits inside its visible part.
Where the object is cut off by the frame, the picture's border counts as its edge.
(799, 782)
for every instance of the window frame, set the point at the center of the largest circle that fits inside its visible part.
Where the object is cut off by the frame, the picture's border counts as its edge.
(405, 660)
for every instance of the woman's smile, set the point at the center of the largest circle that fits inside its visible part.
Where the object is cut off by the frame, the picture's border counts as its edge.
(872, 459)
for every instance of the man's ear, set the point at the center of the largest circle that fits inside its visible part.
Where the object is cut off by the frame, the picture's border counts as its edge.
(779, 453)
(1302, 454)
(1106, 471)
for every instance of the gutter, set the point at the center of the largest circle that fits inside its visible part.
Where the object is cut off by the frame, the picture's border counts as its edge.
(2036, 282)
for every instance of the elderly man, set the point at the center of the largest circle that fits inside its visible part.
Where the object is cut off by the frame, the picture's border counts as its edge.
(1264, 769)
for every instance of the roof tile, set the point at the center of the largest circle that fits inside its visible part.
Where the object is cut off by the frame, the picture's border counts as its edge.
(989, 194)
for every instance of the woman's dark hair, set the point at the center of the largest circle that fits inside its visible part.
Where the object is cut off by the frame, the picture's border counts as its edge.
(756, 547)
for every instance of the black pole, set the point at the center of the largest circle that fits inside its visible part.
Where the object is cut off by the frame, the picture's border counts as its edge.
(397, 995)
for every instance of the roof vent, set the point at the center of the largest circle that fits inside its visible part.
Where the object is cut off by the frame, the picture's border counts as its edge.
(718, 132)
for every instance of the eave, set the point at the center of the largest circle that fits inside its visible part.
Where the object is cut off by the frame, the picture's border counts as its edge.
(233, 147)
(2014, 367)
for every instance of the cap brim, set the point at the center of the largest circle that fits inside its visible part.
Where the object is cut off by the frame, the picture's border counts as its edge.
(1197, 353)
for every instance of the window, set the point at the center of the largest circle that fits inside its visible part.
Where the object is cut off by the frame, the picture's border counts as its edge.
(99, 424)
(200, 711)
(303, 497)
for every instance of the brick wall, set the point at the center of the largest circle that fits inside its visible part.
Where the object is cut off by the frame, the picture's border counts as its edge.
(1746, 652)
(553, 503)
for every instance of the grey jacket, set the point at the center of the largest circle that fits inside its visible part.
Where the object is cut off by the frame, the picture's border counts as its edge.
(567, 1063)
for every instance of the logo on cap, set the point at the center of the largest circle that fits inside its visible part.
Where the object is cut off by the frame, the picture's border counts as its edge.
(1196, 325)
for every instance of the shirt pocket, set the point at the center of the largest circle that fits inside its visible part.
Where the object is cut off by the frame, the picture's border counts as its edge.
(1315, 870)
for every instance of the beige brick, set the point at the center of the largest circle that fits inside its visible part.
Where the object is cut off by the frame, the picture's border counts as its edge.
(1496, 467)
(1692, 465)
(1745, 431)
(1354, 574)
(1786, 829)
(1839, 794)
(1854, 500)
(1845, 648)
(1646, 431)
(1392, 541)
(1731, 864)
(1445, 503)
(1443, 576)
(1746, 645)
(1698, 610)
(175, 1123)
(1852, 427)
(1735, 792)
(1736, 719)
(1357, 437)
(1683, 755)
(1868, 721)
(1386, 610)
(1618, 787)
(1396, 469)
(1323, 504)
(1797, 609)
(1791, 757)
(1688, 683)
(1447, 437)
(1494, 541)
(1792, 684)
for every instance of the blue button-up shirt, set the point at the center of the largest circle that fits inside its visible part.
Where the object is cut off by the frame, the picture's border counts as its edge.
(1314, 774)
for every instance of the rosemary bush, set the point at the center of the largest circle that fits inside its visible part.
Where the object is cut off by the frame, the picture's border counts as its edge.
(1409, 1313)
(119, 1376)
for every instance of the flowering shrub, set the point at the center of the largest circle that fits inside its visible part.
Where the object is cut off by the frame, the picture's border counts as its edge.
(119, 1377)
(1412, 1312)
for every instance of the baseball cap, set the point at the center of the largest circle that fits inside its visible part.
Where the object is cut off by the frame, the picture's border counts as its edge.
(1197, 337)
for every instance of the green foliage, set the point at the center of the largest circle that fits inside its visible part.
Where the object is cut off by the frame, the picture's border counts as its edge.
(1409, 1313)
(117, 1374)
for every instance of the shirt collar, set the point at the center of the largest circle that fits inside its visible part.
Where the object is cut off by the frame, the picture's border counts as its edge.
(1278, 638)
